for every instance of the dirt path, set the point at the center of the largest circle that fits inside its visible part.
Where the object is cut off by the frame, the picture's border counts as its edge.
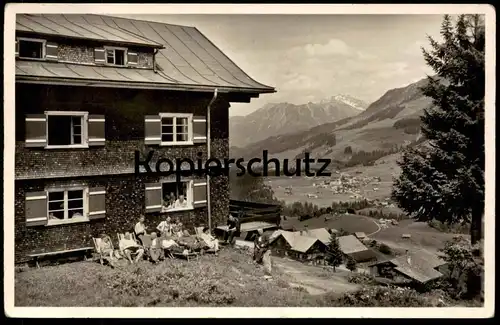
(315, 280)
(376, 231)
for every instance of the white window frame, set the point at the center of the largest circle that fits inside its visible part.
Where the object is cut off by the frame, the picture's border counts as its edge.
(114, 48)
(189, 195)
(84, 127)
(65, 189)
(189, 117)
(28, 39)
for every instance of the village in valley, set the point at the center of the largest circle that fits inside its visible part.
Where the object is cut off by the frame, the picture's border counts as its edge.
(95, 92)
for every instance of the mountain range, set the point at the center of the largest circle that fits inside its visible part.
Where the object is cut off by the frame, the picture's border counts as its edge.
(390, 121)
(283, 118)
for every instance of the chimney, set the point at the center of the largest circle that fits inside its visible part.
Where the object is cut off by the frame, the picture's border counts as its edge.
(408, 257)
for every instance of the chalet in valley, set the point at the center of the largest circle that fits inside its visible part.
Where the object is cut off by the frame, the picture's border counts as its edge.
(93, 89)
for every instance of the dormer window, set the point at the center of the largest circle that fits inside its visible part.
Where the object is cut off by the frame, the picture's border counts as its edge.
(115, 56)
(31, 48)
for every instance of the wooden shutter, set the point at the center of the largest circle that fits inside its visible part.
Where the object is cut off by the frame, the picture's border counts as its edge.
(199, 129)
(153, 197)
(199, 193)
(51, 50)
(99, 55)
(96, 130)
(36, 130)
(97, 203)
(152, 130)
(132, 58)
(17, 48)
(36, 209)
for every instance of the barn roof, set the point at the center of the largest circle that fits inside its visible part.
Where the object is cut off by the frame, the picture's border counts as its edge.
(350, 244)
(296, 241)
(186, 60)
(419, 265)
(319, 233)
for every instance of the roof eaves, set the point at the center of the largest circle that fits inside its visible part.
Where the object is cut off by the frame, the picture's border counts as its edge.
(135, 85)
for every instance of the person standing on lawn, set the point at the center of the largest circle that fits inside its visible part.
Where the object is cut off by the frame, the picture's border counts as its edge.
(262, 252)
(140, 229)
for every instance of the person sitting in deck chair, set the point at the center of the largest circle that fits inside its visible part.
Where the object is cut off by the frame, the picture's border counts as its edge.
(233, 228)
(208, 240)
(107, 251)
(130, 247)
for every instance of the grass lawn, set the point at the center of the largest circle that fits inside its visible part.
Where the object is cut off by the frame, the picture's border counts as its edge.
(349, 222)
(229, 279)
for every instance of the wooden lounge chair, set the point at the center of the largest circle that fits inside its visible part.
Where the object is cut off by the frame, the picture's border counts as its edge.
(198, 231)
(98, 250)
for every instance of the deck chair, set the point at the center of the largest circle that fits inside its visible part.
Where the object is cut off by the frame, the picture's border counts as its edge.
(120, 238)
(98, 249)
(198, 231)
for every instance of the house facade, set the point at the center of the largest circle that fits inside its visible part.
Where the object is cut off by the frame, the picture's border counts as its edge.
(94, 96)
(299, 247)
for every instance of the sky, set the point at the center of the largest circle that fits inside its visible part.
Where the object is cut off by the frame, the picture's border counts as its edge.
(308, 58)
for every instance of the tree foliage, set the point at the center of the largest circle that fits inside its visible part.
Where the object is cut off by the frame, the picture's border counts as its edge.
(351, 264)
(249, 188)
(335, 255)
(445, 180)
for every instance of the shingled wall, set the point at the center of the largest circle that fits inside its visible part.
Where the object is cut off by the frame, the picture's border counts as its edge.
(124, 111)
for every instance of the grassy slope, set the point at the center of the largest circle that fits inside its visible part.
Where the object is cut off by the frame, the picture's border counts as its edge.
(228, 279)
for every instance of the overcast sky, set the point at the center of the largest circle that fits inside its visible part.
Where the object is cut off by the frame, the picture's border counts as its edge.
(312, 57)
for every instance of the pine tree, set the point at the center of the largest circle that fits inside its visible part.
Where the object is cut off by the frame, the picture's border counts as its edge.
(351, 264)
(445, 179)
(335, 255)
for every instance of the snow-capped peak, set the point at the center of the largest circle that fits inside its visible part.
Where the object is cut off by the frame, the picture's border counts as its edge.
(357, 104)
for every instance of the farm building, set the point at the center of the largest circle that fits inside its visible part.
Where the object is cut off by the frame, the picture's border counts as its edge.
(298, 246)
(360, 235)
(319, 233)
(93, 95)
(351, 246)
(419, 267)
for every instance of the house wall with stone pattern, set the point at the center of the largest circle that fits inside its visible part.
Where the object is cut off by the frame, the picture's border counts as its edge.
(77, 52)
(111, 165)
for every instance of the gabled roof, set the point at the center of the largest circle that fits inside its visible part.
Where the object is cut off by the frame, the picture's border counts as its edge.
(319, 233)
(89, 27)
(296, 241)
(350, 244)
(187, 61)
(419, 265)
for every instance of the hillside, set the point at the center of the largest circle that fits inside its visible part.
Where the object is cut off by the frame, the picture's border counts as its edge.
(284, 118)
(389, 122)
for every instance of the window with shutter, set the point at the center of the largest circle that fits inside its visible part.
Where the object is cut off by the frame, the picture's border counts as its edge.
(67, 205)
(153, 197)
(176, 196)
(97, 203)
(176, 129)
(199, 129)
(31, 48)
(199, 193)
(66, 129)
(51, 51)
(36, 209)
(36, 131)
(132, 58)
(152, 130)
(99, 56)
(96, 130)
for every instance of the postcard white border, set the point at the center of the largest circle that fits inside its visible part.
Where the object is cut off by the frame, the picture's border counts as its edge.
(158, 312)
